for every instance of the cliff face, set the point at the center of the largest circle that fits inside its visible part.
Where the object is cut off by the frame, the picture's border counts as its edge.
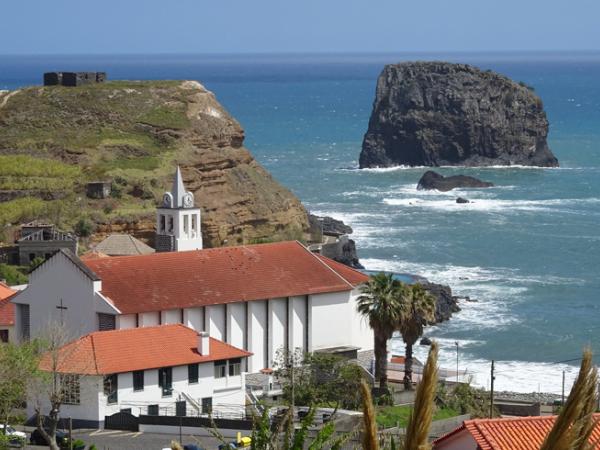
(435, 113)
(55, 139)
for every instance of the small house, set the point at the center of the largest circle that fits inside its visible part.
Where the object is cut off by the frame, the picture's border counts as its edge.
(160, 370)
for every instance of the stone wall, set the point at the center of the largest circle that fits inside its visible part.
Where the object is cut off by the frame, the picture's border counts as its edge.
(73, 78)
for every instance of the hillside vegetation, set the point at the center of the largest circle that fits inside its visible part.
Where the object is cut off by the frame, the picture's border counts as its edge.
(53, 140)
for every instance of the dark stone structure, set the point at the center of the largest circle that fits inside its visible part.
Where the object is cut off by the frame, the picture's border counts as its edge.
(73, 78)
(98, 189)
(438, 114)
(43, 240)
(433, 180)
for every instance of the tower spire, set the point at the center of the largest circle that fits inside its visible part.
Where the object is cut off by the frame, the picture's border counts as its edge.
(178, 190)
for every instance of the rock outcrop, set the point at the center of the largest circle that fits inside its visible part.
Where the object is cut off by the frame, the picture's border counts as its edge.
(446, 304)
(436, 114)
(433, 180)
(132, 133)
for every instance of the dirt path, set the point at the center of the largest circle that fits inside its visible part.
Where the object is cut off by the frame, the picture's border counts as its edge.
(5, 99)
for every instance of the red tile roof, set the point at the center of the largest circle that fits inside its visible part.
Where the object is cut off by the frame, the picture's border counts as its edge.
(162, 281)
(7, 309)
(118, 351)
(522, 433)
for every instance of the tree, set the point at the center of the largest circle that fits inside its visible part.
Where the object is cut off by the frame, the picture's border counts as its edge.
(319, 379)
(380, 304)
(18, 367)
(59, 379)
(418, 309)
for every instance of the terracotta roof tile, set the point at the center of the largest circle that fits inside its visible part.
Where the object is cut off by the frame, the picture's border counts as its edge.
(522, 433)
(220, 275)
(123, 245)
(118, 351)
(7, 309)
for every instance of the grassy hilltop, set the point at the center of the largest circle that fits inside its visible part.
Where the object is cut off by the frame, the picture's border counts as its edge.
(55, 139)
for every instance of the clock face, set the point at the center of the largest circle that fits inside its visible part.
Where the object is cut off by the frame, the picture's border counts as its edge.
(188, 200)
(167, 200)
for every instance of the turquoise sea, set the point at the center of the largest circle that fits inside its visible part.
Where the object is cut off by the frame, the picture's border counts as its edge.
(528, 250)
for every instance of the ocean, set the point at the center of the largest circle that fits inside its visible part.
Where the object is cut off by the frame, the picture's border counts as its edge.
(527, 250)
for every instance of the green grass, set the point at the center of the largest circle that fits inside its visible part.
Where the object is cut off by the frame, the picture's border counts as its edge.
(391, 416)
(28, 166)
(138, 163)
(166, 117)
(21, 210)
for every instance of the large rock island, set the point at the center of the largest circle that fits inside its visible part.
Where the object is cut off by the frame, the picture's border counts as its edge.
(436, 114)
(129, 135)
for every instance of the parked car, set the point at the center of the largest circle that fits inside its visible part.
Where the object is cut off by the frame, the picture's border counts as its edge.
(37, 438)
(16, 438)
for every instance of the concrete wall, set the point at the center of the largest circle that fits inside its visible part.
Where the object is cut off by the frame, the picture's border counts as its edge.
(215, 321)
(126, 321)
(277, 328)
(257, 334)
(194, 318)
(148, 319)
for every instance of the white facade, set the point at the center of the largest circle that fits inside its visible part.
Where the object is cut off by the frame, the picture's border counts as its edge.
(227, 395)
(178, 220)
(61, 292)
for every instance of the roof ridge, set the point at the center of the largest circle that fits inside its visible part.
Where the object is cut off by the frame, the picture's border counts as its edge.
(323, 263)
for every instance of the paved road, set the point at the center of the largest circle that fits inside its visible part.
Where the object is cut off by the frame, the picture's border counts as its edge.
(127, 440)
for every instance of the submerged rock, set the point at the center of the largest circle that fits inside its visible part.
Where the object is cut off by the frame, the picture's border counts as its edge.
(462, 200)
(437, 113)
(433, 180)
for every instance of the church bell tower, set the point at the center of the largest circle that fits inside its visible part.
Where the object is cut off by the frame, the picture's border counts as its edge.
(178, 220)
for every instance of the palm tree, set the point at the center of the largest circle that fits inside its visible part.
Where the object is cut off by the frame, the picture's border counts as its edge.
(418, 309)
(379, 302)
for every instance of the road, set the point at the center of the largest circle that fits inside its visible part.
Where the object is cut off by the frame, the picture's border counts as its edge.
(128, 440)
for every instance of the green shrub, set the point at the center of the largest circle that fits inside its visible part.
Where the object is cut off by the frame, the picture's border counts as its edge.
(12, 275)
(84, 228)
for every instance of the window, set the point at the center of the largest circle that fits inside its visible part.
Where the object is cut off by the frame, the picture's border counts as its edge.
(25, 324)
(138, 380)
(70, 389)
(165, 380)
(111, 388)
(106, 322)
(186, 227)
(153, 410)
(4, 336)
(220, 369)
(192, 373)
(235, 366)
(207, 405)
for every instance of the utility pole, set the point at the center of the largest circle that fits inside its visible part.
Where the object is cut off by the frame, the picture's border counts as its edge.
(562, 402)
(492, 391)
(456, 343)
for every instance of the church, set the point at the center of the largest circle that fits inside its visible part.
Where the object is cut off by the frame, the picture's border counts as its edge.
(260, 298)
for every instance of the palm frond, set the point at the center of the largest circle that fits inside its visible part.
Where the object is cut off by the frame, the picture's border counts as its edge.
(370, 427)
(419, 422)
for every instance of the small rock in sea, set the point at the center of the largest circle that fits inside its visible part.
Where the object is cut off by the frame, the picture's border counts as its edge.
(462, 200)
(425, 341)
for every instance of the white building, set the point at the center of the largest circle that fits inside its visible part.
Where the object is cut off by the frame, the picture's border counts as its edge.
(260, 298)
(178, 220)
(147, 371)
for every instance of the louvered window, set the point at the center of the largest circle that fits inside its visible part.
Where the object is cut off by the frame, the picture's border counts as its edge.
(106, 322)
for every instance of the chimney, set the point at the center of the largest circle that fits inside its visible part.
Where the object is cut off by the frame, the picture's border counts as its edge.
(203, 343)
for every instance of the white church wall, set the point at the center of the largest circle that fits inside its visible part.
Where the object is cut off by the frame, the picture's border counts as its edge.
(170, 316)
(194, 318)
(362, 334)
(149, 319)
(257, 320)
(330, 320)
(297, 321)
(89, 407)
(236, 324)
(126, 321)
(215, 315)
(55, 280)
(277, 327)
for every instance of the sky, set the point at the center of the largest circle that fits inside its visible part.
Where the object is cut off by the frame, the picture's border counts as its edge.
(301, 26)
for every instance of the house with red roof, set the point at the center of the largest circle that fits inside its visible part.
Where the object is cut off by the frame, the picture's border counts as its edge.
(7, 313)
(261, 298)
(518, 433)
(158, 370)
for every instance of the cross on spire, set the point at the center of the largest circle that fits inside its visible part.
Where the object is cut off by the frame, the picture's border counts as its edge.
(62, 309)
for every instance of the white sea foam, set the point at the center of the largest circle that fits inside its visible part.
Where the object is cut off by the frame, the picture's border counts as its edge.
(494, 167)
(517, 376)
(489, 205)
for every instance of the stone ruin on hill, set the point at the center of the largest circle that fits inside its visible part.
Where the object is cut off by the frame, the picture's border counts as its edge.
(73, 78)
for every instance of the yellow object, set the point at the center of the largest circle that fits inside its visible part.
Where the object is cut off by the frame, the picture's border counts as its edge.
(245, 441)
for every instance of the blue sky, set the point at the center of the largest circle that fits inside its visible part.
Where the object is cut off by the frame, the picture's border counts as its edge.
(256, 26)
